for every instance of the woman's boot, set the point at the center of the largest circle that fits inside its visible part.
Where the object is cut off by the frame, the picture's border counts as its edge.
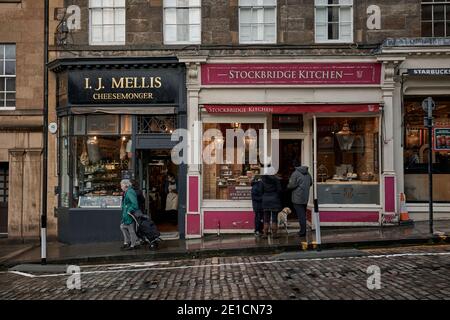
(266, 230)
(274, 230)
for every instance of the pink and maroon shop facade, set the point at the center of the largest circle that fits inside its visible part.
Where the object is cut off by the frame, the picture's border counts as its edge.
(334, 116)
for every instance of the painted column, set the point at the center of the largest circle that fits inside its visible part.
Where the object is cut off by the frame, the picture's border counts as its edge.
(389, 194)
(16, 193)
(193, 221)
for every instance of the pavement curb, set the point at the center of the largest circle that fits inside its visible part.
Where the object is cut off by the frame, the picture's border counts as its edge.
(205, 253)
(16, 253)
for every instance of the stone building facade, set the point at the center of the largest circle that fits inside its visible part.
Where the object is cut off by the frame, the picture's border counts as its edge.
(220, 44)
(22, 30)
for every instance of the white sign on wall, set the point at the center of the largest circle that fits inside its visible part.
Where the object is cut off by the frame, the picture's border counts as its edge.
(374, 19)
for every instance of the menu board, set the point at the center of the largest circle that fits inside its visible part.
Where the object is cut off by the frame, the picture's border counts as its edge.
(240, 192)
(441, 139)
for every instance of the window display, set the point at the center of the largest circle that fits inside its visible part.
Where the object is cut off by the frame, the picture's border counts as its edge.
(348, 160)
(95, 155)
(416, 151)
(230, 180)
(100, 165)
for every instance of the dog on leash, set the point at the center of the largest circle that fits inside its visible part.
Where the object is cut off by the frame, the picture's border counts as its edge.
(282, 217)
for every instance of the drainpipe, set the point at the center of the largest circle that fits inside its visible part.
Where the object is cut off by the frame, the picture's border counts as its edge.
(45, 140)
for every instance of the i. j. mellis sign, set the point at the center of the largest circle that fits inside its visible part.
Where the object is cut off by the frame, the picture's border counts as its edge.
(118, 87)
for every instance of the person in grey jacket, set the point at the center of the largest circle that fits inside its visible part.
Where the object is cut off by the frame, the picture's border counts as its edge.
(300, 182)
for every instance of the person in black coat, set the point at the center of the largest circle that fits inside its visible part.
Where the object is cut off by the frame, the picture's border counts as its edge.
(139, 195)
(271, 202)
(257, 194)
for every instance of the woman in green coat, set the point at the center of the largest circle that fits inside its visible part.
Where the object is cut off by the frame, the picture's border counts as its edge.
(129, 204)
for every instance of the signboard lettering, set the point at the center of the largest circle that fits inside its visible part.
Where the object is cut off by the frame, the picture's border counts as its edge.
(123, 86)
(429, 72)
(291, 73)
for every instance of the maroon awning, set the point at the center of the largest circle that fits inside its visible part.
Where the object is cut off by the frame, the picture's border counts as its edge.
(293, 109)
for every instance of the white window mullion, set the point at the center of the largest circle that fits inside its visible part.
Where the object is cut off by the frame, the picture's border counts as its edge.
(107, 22)
(344, 21)
(257, 21)
(182, 21)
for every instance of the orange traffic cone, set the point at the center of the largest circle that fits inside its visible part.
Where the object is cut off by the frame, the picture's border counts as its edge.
(404, 214)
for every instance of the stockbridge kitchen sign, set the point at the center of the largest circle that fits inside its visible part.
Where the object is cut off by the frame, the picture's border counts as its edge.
(291, 74)
(123, 87)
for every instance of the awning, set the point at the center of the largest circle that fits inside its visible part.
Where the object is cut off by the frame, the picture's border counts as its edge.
(293, 109)
(124, 110)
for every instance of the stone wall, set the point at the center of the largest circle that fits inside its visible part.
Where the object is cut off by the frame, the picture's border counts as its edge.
(23, 24)
(220, 24)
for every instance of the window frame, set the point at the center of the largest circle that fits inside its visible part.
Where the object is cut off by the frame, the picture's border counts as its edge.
(446, 21)
(380, 117)
(112, 43)
(275, 7)
(178, 42)
(352, 22)
(4, 76)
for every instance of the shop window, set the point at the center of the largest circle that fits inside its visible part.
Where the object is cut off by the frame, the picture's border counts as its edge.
(435, 18)
(416, 151)
(95, 155)
(107, 22)
(348, 160)
(334, 20)
(7, 76)
(257, 21)
(287, 122)
(182, 22)
(64, 163)
(100, 164)
(229, 179)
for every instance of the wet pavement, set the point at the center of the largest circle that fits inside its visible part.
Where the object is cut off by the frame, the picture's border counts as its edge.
(214, 245)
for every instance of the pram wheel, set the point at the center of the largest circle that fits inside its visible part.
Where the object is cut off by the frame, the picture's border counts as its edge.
(154, 244)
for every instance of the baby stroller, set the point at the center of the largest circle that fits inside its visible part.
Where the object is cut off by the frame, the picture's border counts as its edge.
(146, 229)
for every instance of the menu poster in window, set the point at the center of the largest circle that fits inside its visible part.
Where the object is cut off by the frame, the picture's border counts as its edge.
(441, 139)
(240, 192)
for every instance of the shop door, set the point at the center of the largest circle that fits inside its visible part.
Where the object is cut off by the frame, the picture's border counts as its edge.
(162, 197)
(4, 186)
(290, 158)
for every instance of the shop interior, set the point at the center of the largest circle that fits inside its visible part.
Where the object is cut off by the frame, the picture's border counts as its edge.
(159, 184)
(229, 179)
(416, 150)
(101, 147)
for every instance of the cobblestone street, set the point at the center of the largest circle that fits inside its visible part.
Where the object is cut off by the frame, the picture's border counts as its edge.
(406, 273)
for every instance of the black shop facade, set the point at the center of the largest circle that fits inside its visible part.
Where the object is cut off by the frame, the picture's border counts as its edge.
(115, 119)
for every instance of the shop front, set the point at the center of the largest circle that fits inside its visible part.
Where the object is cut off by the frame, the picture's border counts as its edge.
(115, 120)
(423, 78)
(325, 115)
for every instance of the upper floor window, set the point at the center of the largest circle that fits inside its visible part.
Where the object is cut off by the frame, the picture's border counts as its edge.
(107, 22)
(257, 21)
(182, 22)
(436, 18)
(334, 21)
(7, 76)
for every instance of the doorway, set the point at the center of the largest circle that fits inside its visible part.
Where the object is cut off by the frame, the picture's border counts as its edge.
(290, 158)
(4, 186)
(159, 182)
